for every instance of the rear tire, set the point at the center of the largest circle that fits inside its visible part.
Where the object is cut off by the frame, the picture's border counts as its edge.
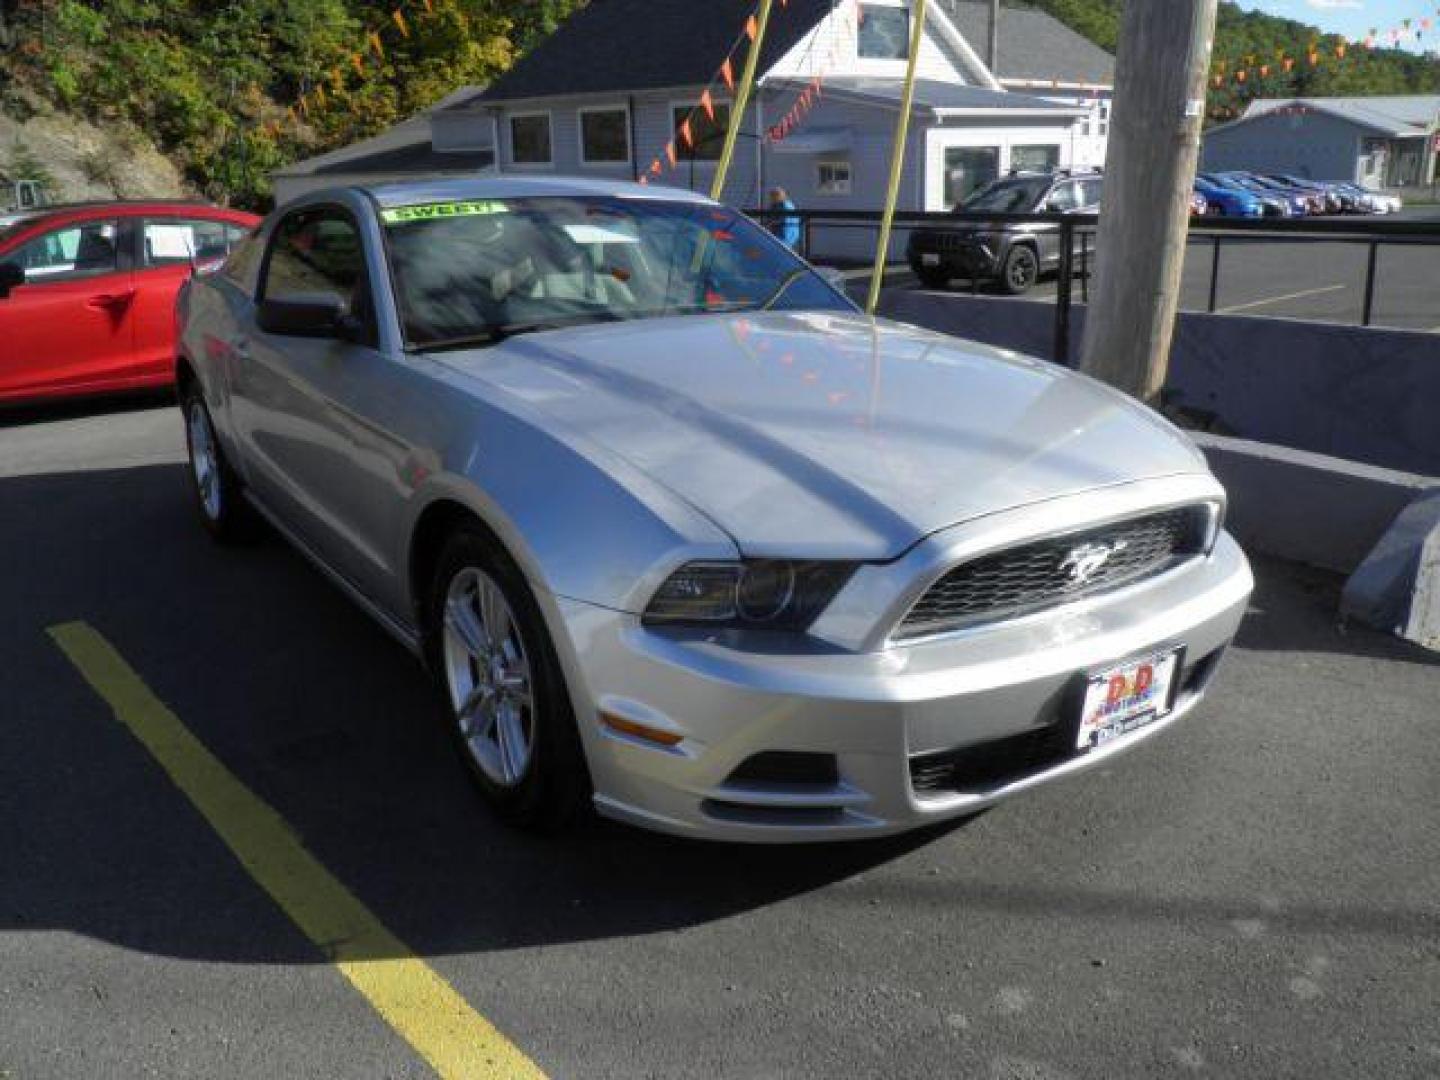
(504, 696)
(217, 489)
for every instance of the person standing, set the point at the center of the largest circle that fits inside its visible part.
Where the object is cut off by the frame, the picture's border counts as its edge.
(787, 225)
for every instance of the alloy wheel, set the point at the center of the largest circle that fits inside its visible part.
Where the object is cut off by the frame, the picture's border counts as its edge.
(204, 461)
(488, 676)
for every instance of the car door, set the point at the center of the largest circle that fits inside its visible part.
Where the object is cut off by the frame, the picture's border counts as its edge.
(303, 405)
(1063, 198)
(167, 248)
(69, 328)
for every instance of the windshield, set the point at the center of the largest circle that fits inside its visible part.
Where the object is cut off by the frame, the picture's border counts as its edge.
(1008, 196)
(481, 269)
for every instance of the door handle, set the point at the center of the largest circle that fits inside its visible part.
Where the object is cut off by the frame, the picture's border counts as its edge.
(110, 301)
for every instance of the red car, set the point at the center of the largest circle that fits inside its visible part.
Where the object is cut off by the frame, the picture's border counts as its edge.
(87, 292)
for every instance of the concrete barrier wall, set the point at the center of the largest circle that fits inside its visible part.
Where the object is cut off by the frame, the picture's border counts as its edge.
(1366, 395)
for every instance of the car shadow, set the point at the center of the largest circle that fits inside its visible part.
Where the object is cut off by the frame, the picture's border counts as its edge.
(323, 716)
(82, 407)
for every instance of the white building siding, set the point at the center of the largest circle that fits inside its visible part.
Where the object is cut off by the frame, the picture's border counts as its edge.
(832, 49)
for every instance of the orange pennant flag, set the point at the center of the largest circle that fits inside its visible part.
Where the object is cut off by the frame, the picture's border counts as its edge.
(1289, 63)
(376, 45)
(655, 167)
(728, 74)
(1239, 76)
(752, 29)
(1340, 52)
(708, 105)
(1314, 59)
(399, 18)
(359, 62)
(685, 136)
(670, 153)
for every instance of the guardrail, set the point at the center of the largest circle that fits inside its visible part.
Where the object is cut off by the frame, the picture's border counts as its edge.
(1077, 244)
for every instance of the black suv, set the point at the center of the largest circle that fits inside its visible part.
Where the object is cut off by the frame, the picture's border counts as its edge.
(1014, 254)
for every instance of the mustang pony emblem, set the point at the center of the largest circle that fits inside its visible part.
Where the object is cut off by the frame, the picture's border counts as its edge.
(1087, 560)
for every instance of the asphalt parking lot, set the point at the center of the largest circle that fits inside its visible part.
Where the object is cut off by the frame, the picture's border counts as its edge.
(1256, 894)
(1322, 281)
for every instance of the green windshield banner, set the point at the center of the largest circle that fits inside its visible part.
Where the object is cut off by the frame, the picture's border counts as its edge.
(430, 211)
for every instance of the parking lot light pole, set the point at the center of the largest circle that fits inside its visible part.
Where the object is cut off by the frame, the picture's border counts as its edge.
(897, 157)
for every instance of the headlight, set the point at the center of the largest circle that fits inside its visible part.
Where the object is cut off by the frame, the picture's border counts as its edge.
(769, 594)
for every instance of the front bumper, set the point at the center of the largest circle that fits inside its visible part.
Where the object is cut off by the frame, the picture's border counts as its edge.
(958, 256)
(890, 717)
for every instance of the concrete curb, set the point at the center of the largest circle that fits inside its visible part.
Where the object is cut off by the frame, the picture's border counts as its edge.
(1310, 508)
(1397, 587)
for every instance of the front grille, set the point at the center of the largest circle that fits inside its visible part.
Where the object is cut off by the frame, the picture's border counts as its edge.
(1045, 573)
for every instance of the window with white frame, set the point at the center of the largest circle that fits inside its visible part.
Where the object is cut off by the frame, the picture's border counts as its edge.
(884, 32)
(832, 178)
(530, 139)
(605, 135)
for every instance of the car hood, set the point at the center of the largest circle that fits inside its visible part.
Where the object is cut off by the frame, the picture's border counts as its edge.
(831, 435)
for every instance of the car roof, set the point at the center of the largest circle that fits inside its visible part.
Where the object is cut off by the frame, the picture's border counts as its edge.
(23, 225)
(414, 192)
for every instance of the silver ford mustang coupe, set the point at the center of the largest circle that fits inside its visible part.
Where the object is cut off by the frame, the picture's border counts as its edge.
(683, 535)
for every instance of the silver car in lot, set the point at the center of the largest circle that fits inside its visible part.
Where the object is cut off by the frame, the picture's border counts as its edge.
(680, 533)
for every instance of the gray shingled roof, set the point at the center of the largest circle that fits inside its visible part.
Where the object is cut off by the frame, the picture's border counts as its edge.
(620, 45)
(1033, 45)
(1394, 115)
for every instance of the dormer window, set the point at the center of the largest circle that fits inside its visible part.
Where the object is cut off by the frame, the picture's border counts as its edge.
(884, 32)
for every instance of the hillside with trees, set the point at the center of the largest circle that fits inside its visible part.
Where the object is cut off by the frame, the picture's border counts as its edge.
(1259, 44)
(233, 90)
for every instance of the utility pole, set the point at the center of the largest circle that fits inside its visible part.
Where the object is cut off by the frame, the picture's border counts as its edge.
(1161, 71)
(992, 52)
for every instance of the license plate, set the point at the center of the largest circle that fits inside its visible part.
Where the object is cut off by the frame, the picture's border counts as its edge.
(1128, 696)
(929, 258)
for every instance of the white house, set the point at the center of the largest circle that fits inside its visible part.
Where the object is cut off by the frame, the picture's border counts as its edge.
(605, 94)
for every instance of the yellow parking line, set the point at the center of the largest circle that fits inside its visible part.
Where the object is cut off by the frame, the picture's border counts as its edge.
(421, 1006)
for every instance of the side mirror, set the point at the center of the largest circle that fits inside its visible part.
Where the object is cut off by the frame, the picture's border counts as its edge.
(315, 315)
(12, 275)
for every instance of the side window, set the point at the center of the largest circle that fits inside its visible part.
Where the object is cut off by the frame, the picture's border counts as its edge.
(1064, 197)
(318, 251)
(77, 251)
(176, 240)
(1090, 192)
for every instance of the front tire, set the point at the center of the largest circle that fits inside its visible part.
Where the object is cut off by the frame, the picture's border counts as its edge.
(506, 704)
(1020, 270)
(217, 490)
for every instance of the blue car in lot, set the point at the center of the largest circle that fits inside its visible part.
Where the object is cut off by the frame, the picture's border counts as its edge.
(1272, 204)
(1227, 201)
(1300, 202)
